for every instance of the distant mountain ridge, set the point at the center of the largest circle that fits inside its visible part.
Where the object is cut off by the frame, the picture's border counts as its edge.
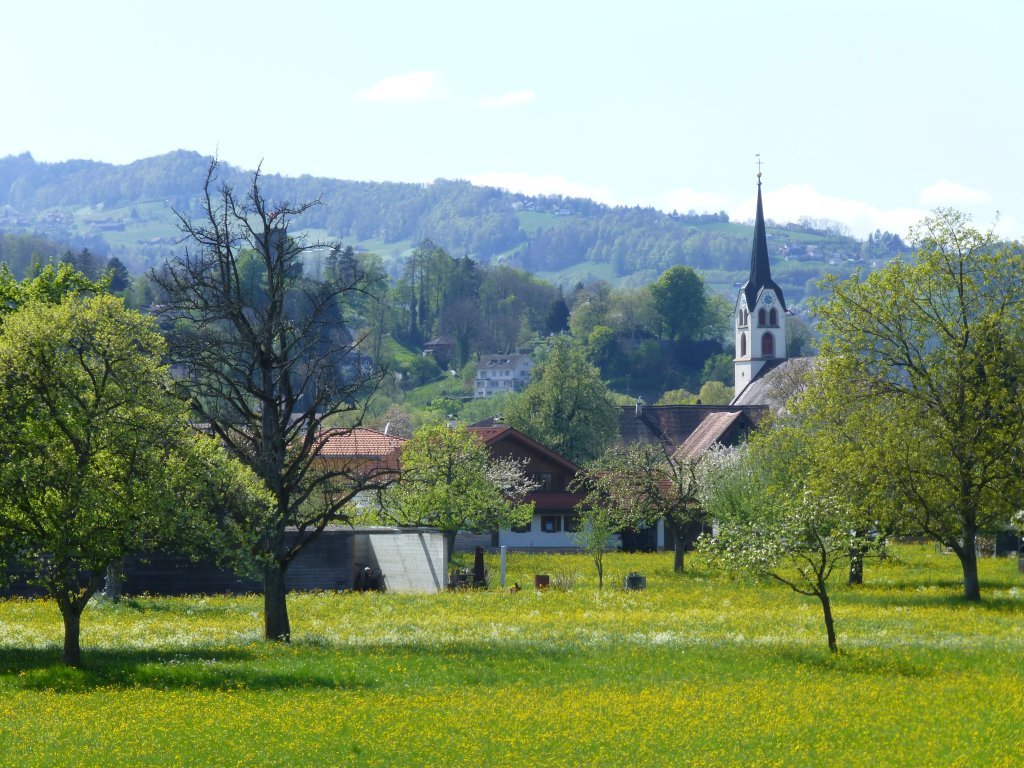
(129, 208)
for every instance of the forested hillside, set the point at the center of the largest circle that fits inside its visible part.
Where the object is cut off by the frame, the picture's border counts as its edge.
(127, 211)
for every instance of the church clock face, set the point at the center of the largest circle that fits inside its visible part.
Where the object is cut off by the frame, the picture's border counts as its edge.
(768, 299)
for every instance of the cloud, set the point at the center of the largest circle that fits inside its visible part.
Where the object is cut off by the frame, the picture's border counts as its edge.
(953, 194)
(527, 184)
(796, 201)
(506, 100)
(686, 200)
(405, 89)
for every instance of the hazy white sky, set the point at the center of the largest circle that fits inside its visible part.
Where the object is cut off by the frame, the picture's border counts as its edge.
(869, 113)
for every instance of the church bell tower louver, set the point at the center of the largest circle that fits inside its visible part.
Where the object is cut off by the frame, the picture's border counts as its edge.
(760, 312)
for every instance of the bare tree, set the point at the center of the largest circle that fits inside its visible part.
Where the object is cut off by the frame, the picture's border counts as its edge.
(270, 365)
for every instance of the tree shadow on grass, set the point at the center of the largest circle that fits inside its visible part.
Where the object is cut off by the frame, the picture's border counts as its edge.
(857, 662)
(945, 594)
(202, 669)
(304, 665)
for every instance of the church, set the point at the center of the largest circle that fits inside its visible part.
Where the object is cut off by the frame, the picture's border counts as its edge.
(759, 317)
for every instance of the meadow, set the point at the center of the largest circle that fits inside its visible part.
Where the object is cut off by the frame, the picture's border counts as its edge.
(696, 670)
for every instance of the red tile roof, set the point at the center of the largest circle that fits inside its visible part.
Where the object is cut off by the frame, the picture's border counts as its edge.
(359, 442)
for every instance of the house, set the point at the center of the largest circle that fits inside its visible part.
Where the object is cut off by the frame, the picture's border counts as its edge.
(441, 349)
(689, 429)
(360, 450)
(502, 373)
(684, 432)
(554, 518)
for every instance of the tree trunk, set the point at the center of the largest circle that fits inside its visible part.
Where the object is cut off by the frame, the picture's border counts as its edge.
(275, 608)
(826, 609)
(449, 539)
(72, 615)
(968, 554)
(678, 544)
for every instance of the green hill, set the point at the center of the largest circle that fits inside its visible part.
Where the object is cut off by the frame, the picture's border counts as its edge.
(128, 211)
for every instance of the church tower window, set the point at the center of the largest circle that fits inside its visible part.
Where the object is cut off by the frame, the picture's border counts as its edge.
(767, 345)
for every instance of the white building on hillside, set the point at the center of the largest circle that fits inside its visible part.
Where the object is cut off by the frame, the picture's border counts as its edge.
(502, 373)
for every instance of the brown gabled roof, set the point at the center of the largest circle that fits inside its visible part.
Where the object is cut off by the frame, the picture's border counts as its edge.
(711, 430)
(359, 443)
(489, 434)
(494, 433)
(672, 425)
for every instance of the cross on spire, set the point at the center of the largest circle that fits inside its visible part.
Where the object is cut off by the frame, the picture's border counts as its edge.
(758, 156)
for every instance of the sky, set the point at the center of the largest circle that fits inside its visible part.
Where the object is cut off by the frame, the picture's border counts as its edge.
(867, 113)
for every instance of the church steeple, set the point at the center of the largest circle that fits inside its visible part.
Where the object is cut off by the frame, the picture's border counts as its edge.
(760, 311)
(760, 270)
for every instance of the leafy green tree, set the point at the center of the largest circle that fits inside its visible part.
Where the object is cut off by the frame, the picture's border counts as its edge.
(566, 406)
(769, 524)
(677, 397)
(601, 346)
(449, 481)
(718, 368)
(718, 319)
(715, 393)
(97, 458)
(85, 262)
(50, 286)
(590, 306)
(557, 318)
(636, 485)
(680, 300)
(921, 363)
(120, 279)
(269, 365)
(595, 534)
(801, 339)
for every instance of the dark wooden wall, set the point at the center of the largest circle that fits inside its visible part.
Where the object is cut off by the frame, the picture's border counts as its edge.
(327, 563)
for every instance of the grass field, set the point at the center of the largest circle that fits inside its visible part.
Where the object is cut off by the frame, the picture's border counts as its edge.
(696, 670)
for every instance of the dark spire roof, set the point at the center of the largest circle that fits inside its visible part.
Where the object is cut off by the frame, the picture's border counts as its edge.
(760, 270)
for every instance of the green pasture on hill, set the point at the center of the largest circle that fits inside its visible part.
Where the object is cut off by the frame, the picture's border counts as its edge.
(696, 670)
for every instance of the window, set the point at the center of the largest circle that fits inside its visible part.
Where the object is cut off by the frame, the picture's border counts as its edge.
(773, 317)
(546, 480)
(767, 345)
(551, 523)
(743, 345)
(572, 523)
(761, 317)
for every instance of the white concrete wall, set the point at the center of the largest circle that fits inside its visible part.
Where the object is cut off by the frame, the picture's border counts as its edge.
(411, 561)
